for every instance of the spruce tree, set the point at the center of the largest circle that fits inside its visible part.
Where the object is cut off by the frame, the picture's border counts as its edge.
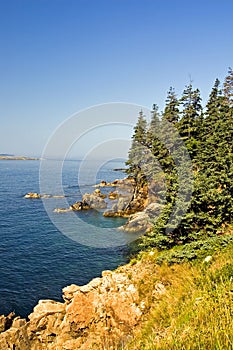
(171, 112)
(208, 138)
(191, 119)
(136, 156)
(191, 112)
(228, 87)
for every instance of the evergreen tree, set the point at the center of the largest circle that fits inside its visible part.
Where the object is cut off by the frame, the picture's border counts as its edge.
(171, 111)
(214, 103)
(154, 126)
(136, 156)
(192, 111)
(228, 87)
(209, 142)
(191, 120)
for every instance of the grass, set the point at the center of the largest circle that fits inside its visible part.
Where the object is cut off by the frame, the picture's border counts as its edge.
(196, 310)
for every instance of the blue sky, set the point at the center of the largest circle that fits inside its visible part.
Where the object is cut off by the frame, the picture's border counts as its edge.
(61, 56)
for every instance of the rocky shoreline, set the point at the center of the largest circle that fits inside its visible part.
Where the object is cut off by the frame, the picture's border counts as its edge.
(121, 198)
(100, 315)
(105, 312)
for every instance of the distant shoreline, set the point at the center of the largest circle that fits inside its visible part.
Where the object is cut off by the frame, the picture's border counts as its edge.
(17, 158)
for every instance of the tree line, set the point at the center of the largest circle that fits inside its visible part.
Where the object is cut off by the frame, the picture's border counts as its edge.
(156, 155)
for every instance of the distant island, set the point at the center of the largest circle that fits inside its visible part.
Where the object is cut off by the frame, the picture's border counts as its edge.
(13, 157)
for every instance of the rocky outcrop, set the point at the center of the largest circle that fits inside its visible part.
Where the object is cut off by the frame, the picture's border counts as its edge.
(143, 221)
(32, 195)
(62, 210)
(37, 195)
(129, 199)
(6, 321)
(80, 206)
(95, 200)
(137, 202)
(99, 315)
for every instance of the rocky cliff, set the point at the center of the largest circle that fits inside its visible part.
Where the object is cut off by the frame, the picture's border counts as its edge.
(100, 315)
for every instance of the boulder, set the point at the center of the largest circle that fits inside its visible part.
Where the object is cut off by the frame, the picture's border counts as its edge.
(80, 206)
(138, 222)
(143, 220)
(94, 200)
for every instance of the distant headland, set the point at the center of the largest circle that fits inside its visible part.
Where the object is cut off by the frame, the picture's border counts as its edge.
(13, 157)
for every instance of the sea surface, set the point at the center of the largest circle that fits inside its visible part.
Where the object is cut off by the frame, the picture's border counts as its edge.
(36, 259)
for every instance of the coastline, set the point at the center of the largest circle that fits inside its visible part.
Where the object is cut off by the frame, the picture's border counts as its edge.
(18, 158)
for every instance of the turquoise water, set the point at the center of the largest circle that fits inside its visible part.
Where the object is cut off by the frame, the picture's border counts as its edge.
(36, 259)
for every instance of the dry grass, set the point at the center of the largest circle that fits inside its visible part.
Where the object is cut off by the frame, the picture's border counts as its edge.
(196, 311)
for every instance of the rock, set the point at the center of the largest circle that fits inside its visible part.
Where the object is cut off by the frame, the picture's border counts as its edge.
(113, 195)
(143, 221)
(62, 210)
(68, 292)
(99, 194)
(32, 195)
(18, 322)
(207, 259)
(80, 206)
(98, 315)
(6, 321)
(94, 200)
(45, 308)
(138, 222)
(37, 195)
(110, 213)
(119, 208)
(103, 183)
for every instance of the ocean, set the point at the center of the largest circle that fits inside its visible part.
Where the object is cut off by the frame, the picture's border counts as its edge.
(36, 259)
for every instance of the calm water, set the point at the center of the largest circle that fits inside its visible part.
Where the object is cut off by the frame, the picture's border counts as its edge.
(36, 259)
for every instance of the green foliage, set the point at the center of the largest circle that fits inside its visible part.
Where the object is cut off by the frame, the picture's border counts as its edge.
(208, 139)
(228, 87)
(194, 251)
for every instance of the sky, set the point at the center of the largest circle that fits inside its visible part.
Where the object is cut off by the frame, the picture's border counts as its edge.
(59, 57)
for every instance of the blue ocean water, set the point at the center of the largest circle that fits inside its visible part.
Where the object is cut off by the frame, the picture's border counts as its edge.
(36, 259)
